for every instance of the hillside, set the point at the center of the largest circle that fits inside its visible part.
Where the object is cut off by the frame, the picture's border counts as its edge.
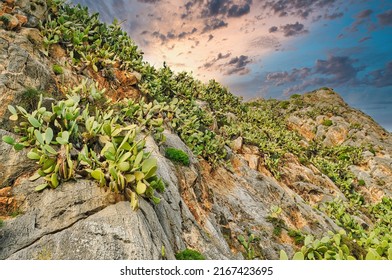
(104, 156)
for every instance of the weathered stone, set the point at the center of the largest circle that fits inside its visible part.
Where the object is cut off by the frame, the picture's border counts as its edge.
(35, 10)
(22, 20)
(9, 21)
(236, 144)
(253, 160)
(302, 126)
(114, 233)
(22, 69)
(12, 163)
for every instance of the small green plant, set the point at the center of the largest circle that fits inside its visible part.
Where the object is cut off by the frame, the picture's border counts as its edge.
(1, 222)
(329, 247)
(57, 69)
(189, 254)
(15, 213)
(248, 245)
(273, 218)
(163, 253)
(295, 96)
(284, 104)
(5, 19)
(30, 98)
(327, 122)
(177, 155)
(361, 182)
(299, 238)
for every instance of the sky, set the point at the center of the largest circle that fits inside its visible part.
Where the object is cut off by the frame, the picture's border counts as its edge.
(269, 48)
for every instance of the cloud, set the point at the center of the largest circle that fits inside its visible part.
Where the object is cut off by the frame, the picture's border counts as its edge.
(273, 29)
(364, 14)
(333, 71)
(381, 77)
(280, 78)
(333, 16)
(293, 29)
(301, 8)
(214, 8)
(237, 65)
(226, 8)
(220, 56)
(189, 7)
(362, 17)
(149, 1)
(171, 35)
(213, 24)
(160, 36)
(238, 11)
(340, 67)
(385, 18)
(364, 39)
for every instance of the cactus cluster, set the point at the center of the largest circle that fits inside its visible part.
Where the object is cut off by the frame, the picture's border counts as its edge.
(71, 139)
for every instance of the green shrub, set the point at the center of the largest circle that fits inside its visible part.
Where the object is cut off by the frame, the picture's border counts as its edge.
(297, 235)
(5, 19)
(57, 69)
(177, 155)
(30, 98)
(189, 254)
(284, 104)
(248, 245)
(295, 96)
(327, 122)
(1, 222)
(361, 182)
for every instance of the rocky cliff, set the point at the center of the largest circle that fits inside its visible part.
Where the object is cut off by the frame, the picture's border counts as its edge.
(86, 127)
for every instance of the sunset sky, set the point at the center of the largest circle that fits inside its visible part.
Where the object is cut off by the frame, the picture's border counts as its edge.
(269, 48)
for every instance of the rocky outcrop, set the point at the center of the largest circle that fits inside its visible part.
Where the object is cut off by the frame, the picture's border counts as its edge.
(328, 119)
(200, 209)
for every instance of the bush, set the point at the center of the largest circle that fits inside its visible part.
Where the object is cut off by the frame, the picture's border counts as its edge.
(177, 155)
(1, 222)
(57, 69)
(361, 182)
(327, 122)
(189, 254)
(295, 96)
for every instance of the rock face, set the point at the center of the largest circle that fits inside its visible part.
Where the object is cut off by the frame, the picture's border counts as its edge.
(12, 163)
(24, 68)
(202, 208)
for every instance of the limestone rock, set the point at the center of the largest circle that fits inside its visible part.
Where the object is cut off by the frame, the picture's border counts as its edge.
(236, 145)
(12, 163)
(23, 69)
(34, 10)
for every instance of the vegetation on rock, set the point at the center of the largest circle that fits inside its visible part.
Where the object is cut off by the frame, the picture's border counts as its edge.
(177, 155)
(189, 254)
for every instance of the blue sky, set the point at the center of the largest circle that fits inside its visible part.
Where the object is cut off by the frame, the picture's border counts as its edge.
(270, 48)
